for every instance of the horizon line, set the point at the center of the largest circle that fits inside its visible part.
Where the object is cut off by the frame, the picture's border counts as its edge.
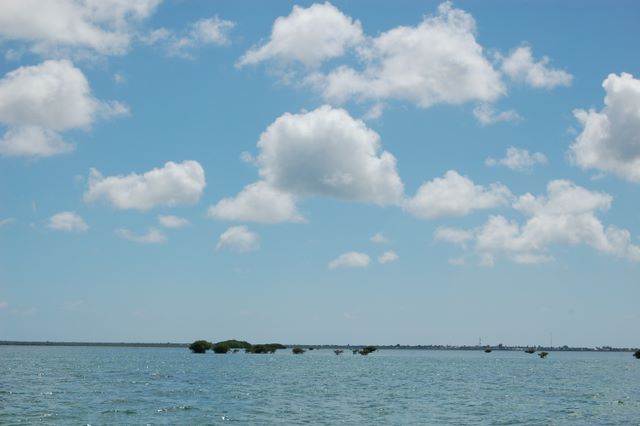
(603, 348)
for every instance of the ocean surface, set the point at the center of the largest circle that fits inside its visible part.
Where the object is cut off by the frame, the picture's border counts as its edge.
(109, 386)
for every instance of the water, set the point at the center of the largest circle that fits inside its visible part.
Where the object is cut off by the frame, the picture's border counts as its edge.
(84, 385)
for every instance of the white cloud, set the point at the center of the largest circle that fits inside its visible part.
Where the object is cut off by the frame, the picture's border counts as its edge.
(520, 66)
(324, 152)
(610, 139)
(388, 257)
(53, 94)
(453, 235)
(37, 102)
(246, 157)
(518, 159)
(209, 31)
(350, 259)
(379, 238)
(7, 221)
(13, 54)
(374, 112)
(55, 26)
(212, 31)
(33, 141)
(238, 238)
(531, 259)
(153, 236)
(486, 115)
(67, 221)
(170, 221)
(258, 202)
(455, 195)
(567, 215)
(437, 61)
(171, 185)
(327, 152)
(308, 35)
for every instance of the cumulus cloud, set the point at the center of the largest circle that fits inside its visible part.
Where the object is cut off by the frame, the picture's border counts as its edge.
(324, 152)
(379, 238)
(67, 221)
(153, 236)
(455, 195)
(308, 35)
(350, 259)
(518, 159)
(209, 31)
(54, 27)
(437, 61)
(388, 257)
(566, 215)
(327, 152)
(258, 202)
(238, 238)
(170, 221)
(171, 185)
(33, 141)
(520, 66)
(486, 115)
(37, 102)
(610, 138)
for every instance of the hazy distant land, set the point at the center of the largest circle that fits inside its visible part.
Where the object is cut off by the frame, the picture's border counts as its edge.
(499, 347)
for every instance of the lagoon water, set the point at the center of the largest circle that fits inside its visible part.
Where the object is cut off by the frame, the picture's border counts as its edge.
(91, 385)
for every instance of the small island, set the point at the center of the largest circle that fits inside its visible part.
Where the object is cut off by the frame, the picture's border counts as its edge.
(367, 350)
(202, 346)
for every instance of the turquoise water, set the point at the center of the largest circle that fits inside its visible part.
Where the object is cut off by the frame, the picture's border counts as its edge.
(84, 385)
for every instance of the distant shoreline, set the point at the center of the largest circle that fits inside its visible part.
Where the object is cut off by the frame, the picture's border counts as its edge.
(401, 347)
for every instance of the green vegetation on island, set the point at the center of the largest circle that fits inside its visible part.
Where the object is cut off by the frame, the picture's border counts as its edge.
(235, 344)
(200, 346)
(220, 348)
(543, 355)
(267, 348)
(298, 350)
(227, 345)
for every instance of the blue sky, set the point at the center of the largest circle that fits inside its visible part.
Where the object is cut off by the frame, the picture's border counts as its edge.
(345, 172)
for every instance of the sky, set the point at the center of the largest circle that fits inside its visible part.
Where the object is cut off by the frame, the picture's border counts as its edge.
(411, 172)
